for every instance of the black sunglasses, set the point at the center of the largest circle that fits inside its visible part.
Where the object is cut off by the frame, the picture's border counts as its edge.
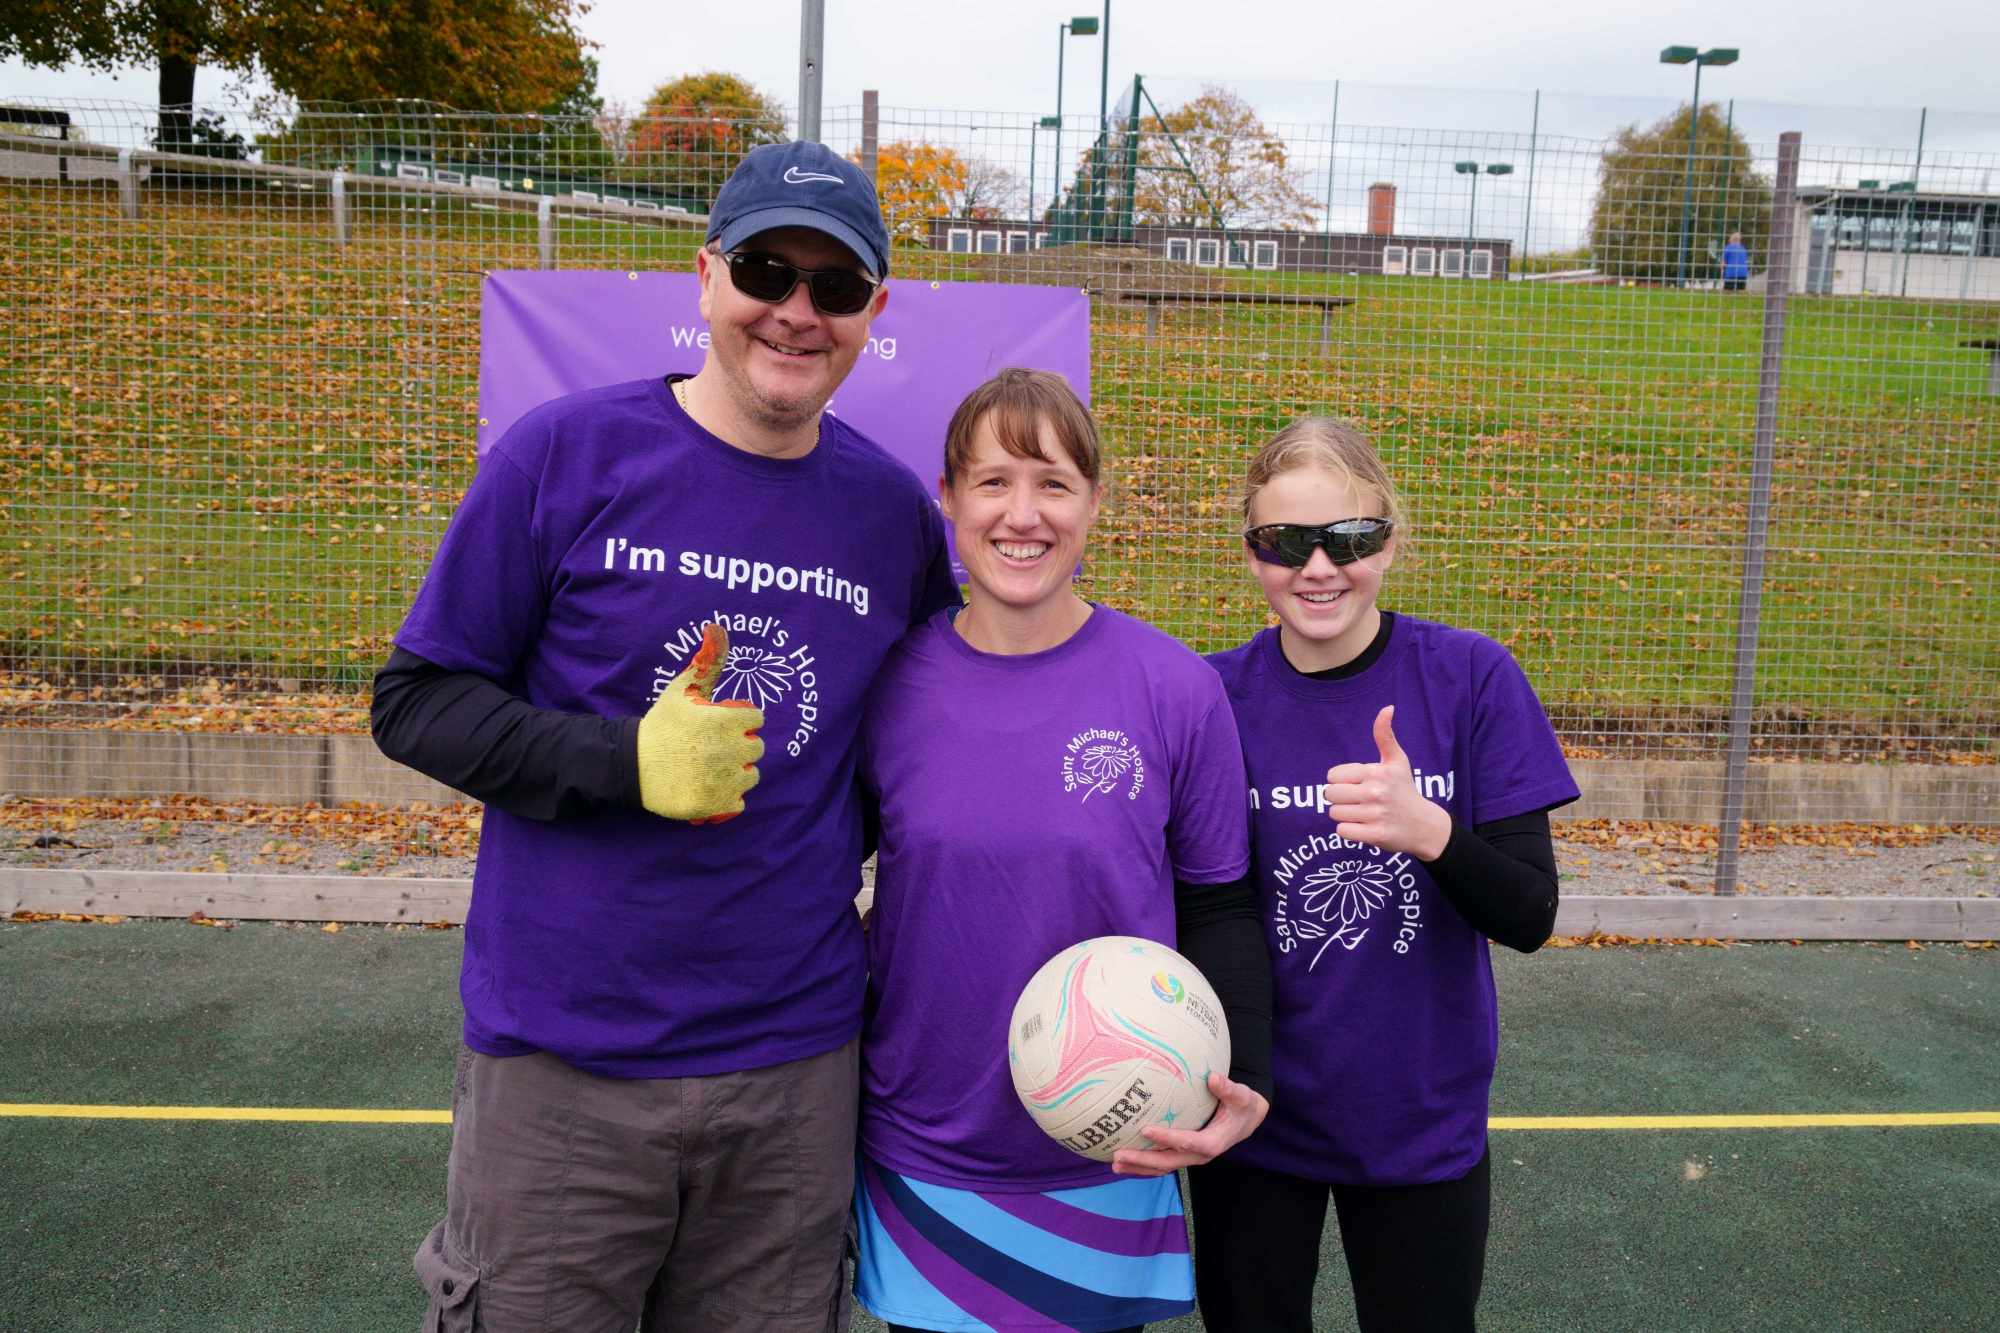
(1344, 542)
(835, 291)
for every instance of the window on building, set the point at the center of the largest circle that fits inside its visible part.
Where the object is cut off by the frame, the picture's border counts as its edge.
(1451, 263)
(989, 242)
(1017, 242)
(958, 241)
(412, 171)
(1265, 254)
(1395, 260)
(1239, 254)
(1423, 262)
(445, 176)
(1177, 249)
(485, 182)
(1208, 252)
(1481, 265)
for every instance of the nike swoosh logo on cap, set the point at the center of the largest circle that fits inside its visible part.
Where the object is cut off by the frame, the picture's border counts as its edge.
(793, 176)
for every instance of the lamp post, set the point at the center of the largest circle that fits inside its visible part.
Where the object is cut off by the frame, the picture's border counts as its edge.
(1683, 55)
(1045, 123)
(1473, 169)
(1084, 26)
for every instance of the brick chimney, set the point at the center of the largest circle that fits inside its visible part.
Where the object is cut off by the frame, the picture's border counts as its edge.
(1381, 209)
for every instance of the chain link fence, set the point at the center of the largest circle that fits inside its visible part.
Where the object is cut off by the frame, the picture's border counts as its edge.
(239, 402)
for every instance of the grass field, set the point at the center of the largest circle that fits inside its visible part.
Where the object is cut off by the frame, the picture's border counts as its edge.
(226, 443)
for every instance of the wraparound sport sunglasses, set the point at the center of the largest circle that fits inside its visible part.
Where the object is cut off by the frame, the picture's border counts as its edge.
(1345, 541)
(835, 291)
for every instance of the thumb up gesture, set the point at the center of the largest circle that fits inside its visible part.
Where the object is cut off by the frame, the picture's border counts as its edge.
(698, 757)
(1378, 803)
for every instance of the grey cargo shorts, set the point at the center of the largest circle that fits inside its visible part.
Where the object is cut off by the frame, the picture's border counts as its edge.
(575, 1203)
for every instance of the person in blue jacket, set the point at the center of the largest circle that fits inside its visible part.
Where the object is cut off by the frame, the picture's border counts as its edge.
(1735, 264)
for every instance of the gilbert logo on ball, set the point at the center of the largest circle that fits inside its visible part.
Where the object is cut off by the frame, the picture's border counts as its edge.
(1112, 1035)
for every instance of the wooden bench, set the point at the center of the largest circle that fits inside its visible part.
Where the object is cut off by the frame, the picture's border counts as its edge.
(1157, 297)
(1991, 346)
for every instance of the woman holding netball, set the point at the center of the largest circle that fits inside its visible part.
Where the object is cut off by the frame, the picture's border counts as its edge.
(1047, 770)
(1380, 890)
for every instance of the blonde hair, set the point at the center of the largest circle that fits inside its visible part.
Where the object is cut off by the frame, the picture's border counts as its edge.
(1338, 446)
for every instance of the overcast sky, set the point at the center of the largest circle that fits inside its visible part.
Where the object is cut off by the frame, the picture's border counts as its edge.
(1001, 57)
(1846, 73)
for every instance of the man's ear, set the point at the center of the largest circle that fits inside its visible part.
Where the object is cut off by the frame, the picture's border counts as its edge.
(944, 495)
(707, 268)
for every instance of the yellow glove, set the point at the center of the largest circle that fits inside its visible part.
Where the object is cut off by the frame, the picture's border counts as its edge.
(696, 757)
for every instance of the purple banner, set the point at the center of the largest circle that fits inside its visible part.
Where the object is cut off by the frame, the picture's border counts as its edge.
(544, 334)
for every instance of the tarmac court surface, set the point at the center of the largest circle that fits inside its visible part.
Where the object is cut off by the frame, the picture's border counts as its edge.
(1851, 1179)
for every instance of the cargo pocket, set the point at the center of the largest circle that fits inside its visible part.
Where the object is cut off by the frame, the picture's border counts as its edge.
(452, 1283)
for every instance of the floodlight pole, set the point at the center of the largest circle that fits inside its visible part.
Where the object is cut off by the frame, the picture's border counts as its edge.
(1104, 76)
(1687, 198)
(1473, 169)
(1682, 55)
(812, 56)
(1081, 26)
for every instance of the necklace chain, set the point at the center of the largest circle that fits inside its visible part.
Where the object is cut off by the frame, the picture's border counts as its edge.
(681, 397)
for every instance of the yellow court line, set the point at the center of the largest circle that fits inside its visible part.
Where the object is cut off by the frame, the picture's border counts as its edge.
(365, 1116)
(1839, 1121)
(341, 1115)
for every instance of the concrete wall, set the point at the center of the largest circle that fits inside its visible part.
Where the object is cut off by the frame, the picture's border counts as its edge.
(336, 770)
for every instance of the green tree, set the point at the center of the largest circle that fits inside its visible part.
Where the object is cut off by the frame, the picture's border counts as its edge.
(486, 55)
(692, 130)
(1233, 166)
(1643, 183)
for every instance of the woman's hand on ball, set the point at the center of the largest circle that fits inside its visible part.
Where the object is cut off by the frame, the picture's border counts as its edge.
(1379, 803)
(1239, 1109)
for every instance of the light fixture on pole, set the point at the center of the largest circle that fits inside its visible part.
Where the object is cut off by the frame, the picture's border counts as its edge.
(1473, 169)
(1083, 26)
(1684, 55)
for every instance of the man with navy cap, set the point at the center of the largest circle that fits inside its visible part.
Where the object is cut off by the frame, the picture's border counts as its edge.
(644, 642)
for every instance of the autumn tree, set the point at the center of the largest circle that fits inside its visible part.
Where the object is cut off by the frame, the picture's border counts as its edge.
(1227, 164)
(920, 181)
(692, 130)
(916, 182)
(1644, 183)
(475, 55)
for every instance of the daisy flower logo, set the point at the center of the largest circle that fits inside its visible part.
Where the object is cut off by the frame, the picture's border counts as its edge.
(751, 674)
(1101, 762)
(1348, 891)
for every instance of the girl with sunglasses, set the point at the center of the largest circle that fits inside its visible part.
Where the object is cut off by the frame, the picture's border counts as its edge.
(1047, 770)
(1381, 880)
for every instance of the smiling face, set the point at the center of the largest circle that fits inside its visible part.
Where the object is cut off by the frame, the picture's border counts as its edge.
(778, 364)
(1020, 523)
(1326, 612)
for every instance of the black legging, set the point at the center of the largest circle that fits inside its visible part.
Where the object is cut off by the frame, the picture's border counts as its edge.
(1415, 1253)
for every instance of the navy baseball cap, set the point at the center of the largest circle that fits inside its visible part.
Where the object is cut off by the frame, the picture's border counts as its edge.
(801, 184)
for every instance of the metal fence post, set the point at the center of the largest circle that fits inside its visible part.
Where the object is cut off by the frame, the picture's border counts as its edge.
(871, 133)
(1777, 286)
(128, 185)
(337, 191)
(812, 57)
(545, 230)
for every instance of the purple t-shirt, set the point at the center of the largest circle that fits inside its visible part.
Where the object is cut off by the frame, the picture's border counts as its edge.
(1028, 803)
(596, 538)
(1385, 1026)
